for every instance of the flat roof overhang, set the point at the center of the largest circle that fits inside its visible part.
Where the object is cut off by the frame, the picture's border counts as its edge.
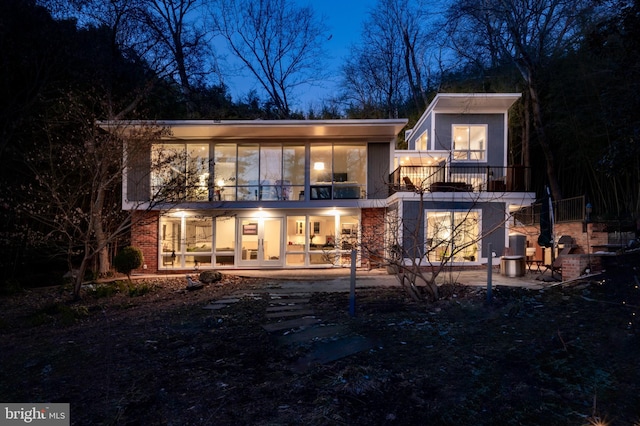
(473, 102)
(369, 129)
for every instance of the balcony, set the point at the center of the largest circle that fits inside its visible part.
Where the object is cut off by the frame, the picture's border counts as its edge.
(460, 178)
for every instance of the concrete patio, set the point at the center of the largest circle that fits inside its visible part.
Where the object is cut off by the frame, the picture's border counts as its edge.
(339, 279)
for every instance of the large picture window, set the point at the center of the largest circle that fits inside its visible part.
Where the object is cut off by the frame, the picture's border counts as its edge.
(180, 172)
(469, 142)
(253, 171)
(259, 171)
(185, 242)
(337, 171)
(452, 236)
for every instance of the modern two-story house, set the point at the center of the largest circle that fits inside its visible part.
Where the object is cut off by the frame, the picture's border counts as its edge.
(304, 194)
(454, 191)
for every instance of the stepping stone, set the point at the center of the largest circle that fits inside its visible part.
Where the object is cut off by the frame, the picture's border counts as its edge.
(247, 295)
(288, 314)
(311, 333)
(221, 303)
(215, 306)
(284, 301)
(288, 294)
(327, 352)
(285, 308)
(294, 323)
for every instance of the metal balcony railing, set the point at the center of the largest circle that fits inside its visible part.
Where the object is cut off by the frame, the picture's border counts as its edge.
(459, 178)
(567, 210)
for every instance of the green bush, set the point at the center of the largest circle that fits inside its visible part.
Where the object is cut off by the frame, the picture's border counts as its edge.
(104, 290)
(127, 260)
(139, 290)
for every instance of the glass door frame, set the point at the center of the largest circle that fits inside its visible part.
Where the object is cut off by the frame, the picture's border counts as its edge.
(248, 227)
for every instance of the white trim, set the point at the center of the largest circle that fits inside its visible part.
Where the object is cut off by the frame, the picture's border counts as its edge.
(370, 129)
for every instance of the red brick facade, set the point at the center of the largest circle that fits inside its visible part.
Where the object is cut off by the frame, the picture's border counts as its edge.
(372, 224)
(144, 235)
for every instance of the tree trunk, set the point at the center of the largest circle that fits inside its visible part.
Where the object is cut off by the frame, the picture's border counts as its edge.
(526, 133)
(81, 271)
(544, 143)
(101, 239)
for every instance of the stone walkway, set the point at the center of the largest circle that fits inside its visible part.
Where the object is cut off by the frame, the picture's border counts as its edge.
(290, 319)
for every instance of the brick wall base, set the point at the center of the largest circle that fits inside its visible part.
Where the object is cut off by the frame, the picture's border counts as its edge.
(575, 265)
(144, 235)
(372, 237)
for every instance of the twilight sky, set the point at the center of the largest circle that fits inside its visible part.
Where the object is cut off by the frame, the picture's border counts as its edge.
(343, 19)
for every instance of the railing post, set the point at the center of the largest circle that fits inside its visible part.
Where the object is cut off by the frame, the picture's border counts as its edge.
(489, 274)
(352, 285)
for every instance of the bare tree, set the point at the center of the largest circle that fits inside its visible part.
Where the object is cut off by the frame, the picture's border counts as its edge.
(526, 33)
(78, 173)
(278, 42)
(169, 35)
(121, 17)
(420, 257)
(175, 32)
(411, 19)
(374, 75)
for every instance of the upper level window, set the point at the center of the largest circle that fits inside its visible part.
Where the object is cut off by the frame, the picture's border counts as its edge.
(257, 171)
(421, 142)
(180, 172)
(338, 171)
(253, 171)
(469, 142)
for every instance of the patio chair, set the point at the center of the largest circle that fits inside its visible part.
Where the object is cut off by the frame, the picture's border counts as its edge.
(409, 185)
(568, 246)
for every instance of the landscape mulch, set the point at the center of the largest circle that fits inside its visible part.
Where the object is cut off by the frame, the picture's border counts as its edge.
(148, 353)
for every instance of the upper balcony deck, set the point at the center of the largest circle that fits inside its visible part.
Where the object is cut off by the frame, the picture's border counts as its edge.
(460, 178)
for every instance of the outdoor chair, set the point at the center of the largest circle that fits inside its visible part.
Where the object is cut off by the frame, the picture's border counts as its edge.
(556, 266)
(408, 184)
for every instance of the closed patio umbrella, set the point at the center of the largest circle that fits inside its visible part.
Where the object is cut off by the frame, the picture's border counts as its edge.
(545, 239)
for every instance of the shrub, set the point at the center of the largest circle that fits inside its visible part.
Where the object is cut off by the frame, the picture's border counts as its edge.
(139, 290)
(127, 260)
(58, 313)
(209, 277)
(104, 290)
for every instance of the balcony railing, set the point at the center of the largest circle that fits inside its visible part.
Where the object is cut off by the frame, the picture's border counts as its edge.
(460, 178)
(567, 210)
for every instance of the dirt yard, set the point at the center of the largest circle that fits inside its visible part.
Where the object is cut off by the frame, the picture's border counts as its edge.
(149, 354)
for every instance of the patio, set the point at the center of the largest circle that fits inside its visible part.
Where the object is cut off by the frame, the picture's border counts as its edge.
(337, 280)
